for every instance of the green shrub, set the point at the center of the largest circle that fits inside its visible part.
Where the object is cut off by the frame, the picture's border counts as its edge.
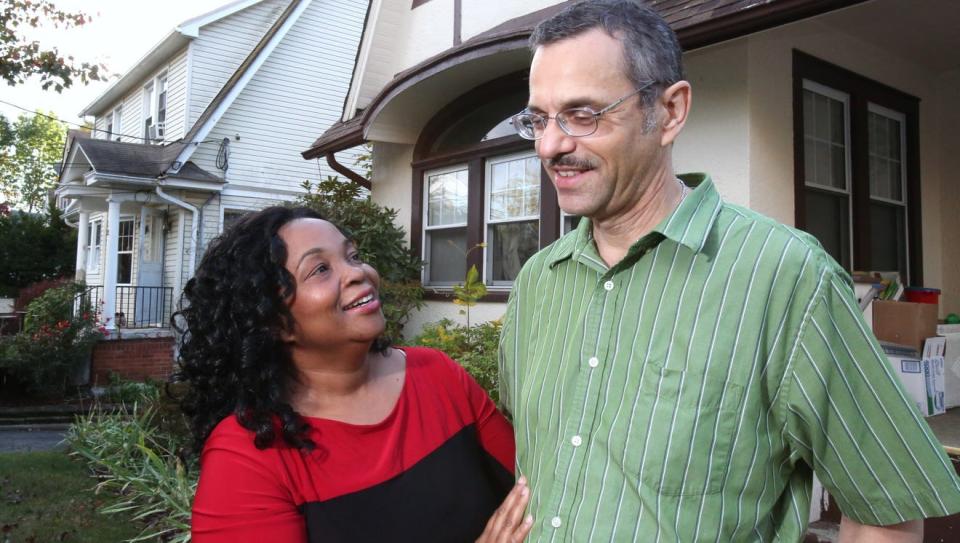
(135, 457)
(380, 242)
(121, 391)
(55, 343)
(474, 347)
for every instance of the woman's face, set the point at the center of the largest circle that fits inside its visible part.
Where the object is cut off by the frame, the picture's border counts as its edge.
(337, 300)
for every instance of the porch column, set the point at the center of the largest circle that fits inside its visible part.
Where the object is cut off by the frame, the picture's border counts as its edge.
(110, 273)
(83, 226)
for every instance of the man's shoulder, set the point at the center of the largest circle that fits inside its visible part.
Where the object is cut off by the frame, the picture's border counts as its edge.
(794, 246)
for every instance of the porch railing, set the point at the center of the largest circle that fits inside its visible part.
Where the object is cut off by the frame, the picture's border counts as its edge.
(136, 307)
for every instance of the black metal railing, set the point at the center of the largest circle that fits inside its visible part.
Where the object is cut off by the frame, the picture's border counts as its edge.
(136, 307)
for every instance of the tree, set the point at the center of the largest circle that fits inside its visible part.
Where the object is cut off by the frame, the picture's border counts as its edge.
(34, 247)
(21, 58)
(30, 150)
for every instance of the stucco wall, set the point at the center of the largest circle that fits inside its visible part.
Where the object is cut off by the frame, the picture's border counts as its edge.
(716, 138)
(392, 185)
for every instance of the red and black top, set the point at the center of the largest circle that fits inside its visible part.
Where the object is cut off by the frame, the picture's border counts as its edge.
(434, 470)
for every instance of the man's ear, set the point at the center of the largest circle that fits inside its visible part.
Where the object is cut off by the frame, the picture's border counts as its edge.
(675, 101)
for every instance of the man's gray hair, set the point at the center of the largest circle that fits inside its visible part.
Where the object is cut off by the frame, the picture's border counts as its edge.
(652, 53)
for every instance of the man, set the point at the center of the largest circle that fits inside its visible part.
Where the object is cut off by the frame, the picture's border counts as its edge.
(678, 368)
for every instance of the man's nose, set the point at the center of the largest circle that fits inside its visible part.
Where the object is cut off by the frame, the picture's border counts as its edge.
(555, 142)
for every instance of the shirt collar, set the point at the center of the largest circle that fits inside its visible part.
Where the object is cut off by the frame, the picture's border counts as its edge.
(689, 224)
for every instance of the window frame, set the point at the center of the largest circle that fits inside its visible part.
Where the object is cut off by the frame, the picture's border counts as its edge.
(863, 92)
(94, 245)
(489, 162)
(475, 157)
(425, 273)
(133, 246)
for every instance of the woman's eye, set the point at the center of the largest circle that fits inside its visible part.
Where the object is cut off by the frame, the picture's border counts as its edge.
(355, 257)
(319, 269)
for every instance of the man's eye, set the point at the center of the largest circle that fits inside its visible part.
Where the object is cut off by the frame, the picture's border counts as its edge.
(579, 116)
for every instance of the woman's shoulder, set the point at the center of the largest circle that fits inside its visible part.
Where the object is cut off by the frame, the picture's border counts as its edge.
(432, 361)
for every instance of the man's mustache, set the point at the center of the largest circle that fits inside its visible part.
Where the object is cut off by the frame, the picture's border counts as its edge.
(570, 161)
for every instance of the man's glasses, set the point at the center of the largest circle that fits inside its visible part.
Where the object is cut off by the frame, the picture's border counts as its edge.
(576, 122)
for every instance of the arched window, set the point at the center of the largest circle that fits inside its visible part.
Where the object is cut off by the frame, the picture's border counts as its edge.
(482, 198)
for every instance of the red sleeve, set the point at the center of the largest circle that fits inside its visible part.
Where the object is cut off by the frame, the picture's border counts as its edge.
(496, 433)
(241, 495)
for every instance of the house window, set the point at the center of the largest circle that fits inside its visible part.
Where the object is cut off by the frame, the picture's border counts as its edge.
(114, 123)
(125, 252)
(484, 199)
(445, 226)
(512, 215)
(231, 217)
(161, 106)
(94, 243)
(149, 130)
(857, 168)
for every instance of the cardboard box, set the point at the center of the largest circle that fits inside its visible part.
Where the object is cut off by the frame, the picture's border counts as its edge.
(951, 371)
(921, 375)
(904, 323)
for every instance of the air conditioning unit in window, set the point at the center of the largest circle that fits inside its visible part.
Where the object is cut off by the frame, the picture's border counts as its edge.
(151, 133)
(161, 129)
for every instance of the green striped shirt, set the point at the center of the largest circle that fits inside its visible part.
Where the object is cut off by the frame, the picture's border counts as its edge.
(691, 391)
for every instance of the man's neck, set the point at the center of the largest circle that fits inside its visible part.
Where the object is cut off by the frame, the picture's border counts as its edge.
(616, 234)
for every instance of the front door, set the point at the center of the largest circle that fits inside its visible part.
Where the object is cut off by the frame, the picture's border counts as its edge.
(151, 301)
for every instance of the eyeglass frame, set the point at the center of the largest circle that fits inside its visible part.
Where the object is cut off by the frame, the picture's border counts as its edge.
(595, 114)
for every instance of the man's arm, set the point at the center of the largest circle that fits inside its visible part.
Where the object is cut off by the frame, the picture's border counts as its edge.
(852, 531)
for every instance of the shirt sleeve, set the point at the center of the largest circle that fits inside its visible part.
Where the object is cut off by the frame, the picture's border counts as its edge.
(495, 432)
(240, 497)
(849, 418)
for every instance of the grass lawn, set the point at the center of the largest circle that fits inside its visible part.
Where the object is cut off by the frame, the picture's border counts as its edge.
(45, 496)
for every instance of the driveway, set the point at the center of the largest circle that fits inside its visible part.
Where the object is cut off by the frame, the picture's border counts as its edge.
(40, 437)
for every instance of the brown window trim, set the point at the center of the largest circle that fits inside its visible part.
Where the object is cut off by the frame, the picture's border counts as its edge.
(861, 90)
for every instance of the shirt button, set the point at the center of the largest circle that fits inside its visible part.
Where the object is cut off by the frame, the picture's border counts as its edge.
(593, 362)
(555, 522)
(608, 285)
(576, 440)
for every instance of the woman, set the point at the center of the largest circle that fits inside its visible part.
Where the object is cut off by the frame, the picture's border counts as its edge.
(311, 428)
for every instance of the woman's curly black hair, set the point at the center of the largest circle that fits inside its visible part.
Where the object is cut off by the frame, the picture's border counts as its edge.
(230, 319)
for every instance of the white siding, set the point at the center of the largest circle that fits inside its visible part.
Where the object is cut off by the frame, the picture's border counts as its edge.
(131, 115)
(171, 250)
(296, 94)
(221, 48)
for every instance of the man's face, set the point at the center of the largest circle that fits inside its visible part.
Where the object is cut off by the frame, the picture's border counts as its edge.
(602, 175)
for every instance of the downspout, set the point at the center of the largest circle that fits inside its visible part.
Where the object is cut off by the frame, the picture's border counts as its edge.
(203, 205)
(193, 225)
(352, 175)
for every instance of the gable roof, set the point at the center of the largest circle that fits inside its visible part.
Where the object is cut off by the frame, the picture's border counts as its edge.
(238, 81)
(174, 41)
(697, 23)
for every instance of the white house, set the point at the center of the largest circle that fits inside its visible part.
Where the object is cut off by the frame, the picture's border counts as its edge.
(208, 125)
(835, 116)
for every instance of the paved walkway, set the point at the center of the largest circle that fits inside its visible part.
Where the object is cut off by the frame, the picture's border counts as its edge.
(39, 437)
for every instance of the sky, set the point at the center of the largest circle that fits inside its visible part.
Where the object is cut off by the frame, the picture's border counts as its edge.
(120, 34)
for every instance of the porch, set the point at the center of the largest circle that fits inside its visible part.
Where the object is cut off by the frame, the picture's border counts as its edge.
(135, 307)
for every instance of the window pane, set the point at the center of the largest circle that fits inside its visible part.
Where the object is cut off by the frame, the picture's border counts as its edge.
(488, 120)
(514, 189)
(511, 244)
(447, 198)
(570, 223)
(825, 149)
(446, 259)
(124, 267)
(888, 238)
(125, 241)
(828, 219)
(886, 160)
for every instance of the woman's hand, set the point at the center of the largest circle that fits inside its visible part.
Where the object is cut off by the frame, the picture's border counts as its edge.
(508, 525)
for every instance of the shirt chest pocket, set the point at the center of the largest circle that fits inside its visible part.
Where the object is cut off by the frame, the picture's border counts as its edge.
(691, 421)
